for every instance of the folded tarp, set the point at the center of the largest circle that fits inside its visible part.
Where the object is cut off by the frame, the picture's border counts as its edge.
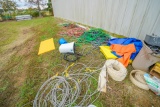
(125, 51)
(107, 52)
(125, 41)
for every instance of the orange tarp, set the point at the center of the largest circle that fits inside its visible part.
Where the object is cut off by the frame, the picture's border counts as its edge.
(125, 51)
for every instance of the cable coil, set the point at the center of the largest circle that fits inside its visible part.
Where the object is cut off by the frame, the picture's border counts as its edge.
(137, 78)
(68, 90)
(113, 68)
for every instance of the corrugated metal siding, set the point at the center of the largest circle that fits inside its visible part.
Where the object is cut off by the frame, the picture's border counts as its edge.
(131, 18)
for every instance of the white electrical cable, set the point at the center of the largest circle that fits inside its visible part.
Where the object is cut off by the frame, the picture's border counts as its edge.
(63, 91)
(113, 68)
(76, 89)
(137, 78)
(71, 90)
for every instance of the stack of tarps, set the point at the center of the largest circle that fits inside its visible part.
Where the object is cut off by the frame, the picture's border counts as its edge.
(23, 17)
(125, 49)
(119, 52)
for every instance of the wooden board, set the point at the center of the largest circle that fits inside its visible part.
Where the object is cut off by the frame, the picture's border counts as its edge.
(155, 71)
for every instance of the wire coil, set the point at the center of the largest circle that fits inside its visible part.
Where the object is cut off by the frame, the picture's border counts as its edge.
(68, 90)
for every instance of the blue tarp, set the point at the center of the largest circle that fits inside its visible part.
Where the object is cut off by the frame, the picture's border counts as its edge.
(125, 41)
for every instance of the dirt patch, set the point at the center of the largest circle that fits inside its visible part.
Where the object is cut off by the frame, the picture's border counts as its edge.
(5, 58)
(27, 49)
(24, 35)
(11, 49)
(20, 79)
(16, 66)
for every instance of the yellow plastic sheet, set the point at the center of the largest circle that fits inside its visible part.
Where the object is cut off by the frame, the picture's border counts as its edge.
(46, 46)
(158, 64)
(107, 52)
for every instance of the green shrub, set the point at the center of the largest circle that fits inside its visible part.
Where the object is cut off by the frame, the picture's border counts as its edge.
(43, 13)
(1, 19)
(34, 13)
(6, 17)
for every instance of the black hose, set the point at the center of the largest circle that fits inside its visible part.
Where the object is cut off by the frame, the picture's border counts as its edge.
(74, 57)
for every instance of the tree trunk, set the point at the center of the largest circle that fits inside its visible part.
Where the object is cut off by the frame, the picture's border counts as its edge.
(50, 9)
(39, 9)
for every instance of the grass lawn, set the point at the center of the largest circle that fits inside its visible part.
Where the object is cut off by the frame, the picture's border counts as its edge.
(22, 71)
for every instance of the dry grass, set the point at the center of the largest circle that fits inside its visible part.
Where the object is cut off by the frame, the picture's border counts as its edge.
(23, 71)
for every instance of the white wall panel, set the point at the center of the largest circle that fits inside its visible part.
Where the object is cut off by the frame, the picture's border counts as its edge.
(128, 14)
(120, 16)
(131, 18)
(138, 16)
(150, 19)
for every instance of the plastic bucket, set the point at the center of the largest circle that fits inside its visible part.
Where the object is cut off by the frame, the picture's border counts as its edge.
(62, 41)
(144, 59)
(67, 48)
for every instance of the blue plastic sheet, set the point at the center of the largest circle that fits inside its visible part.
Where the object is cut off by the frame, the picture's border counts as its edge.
(125, 41)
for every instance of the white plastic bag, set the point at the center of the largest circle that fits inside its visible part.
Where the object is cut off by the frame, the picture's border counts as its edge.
(153, 83)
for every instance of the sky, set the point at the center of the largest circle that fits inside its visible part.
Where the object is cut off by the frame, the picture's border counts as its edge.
(23, 4)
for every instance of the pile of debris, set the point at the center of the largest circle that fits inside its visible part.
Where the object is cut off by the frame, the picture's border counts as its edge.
(72, 30)
(94, 36)
(65, 89)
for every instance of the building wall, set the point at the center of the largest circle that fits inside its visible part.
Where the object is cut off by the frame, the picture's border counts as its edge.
(131, 18)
